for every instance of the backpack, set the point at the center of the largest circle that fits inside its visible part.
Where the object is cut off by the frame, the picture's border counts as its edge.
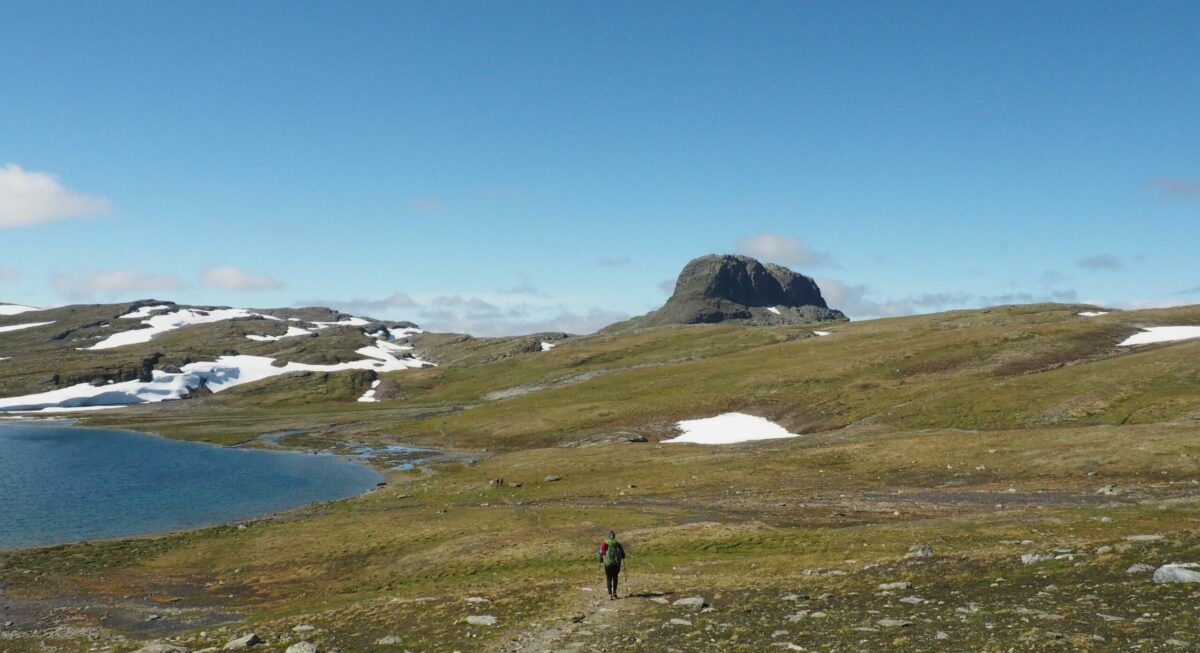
(614, 553)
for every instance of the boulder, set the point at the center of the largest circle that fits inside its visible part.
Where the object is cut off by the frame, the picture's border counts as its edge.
(243, 642)
(389, 640)
(693, 603)
(1140, 568)
(894, 623)
(1177, 573)
(481, 620)
(161, 647)
(897, 585)
(303, 647)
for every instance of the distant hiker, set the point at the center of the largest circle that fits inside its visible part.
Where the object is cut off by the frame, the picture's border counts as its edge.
(611, 555)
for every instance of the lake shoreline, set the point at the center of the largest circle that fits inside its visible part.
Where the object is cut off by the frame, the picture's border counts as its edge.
(379, 478)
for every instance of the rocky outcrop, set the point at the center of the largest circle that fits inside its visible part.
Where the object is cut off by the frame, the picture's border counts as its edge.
(731, 288)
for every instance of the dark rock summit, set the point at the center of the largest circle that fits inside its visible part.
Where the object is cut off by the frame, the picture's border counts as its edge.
(724, 288)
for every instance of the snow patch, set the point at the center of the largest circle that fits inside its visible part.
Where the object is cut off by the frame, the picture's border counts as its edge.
(146, 311)
(729, 428)
(1093, 313)
(822, 333)
(1151, 335)
(16, 309)
(292, 332)
(773, 310)
(352, 321)
(27, 325)
(162, 323)
(369, 395)
(547, 346)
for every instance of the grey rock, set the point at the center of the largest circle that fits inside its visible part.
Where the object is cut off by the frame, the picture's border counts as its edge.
(1177, 573)
(303, 628)
(390, 640)
(246, 641)
(1140, 568)
(1143, 538)
(897, 585)
(161, 647)
(303, 647)
(690, 603)
(680, 622)
(552, 478)
(919, 551)
(894, 623)
(481, 620)
(724, 288)
(1034, 558)
(912, 600)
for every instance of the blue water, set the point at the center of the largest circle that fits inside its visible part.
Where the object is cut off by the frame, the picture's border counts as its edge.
(61, 484)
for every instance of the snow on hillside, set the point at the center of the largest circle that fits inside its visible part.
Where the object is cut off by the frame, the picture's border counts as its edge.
(369, 395)
(27, 325)
(224, 373)
(292, 332)
(729, 428)
(1151, 335)
(547, 346)
(164, 322)
(1093, 313)
(15, 309)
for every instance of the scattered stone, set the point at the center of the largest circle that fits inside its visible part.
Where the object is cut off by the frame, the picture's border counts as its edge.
(919, 551)
(941, 634)
(552, 478)
(1143, 538)
(246, 641)
(680, 622)
(912, 600)
(389, 640)
(1034, 558)
(1140, 568)
(897, 585)
(1109, 490)
(154, 617)
(481, 620)
(1177, 573)
(476, 599)
(691, 603)
(303, 628)
(1103, 550)
(161, 647)
(894, 623)
(303, 647)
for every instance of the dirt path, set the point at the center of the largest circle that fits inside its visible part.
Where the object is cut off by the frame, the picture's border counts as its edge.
(591, 618)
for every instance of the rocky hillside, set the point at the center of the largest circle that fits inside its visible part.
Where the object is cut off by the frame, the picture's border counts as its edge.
(148, 351)
(739, 289)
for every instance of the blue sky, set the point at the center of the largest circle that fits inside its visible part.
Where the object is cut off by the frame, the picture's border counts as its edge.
(507, 167)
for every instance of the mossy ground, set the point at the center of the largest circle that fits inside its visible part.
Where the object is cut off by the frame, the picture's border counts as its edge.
(971, 432)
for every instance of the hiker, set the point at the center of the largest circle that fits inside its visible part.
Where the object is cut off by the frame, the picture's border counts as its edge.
(611, 555)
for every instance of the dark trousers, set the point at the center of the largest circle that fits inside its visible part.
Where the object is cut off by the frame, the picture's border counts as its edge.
(611, 575)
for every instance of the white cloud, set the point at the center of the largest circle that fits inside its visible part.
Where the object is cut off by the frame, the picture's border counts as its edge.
(361, 306)
(229, 277)
(7, 273)
(859, 302)
(30, 198)
(86, 285)
(784, 250)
